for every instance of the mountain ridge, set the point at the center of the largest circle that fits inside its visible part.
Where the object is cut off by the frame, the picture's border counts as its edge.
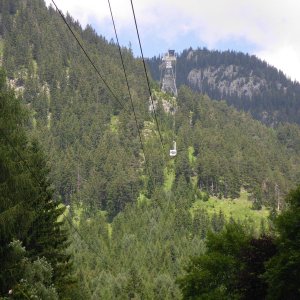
(242, 80)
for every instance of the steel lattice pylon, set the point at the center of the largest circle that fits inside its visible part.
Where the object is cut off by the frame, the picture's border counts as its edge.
(168, 73)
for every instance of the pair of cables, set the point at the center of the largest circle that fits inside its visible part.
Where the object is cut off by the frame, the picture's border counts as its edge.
(36, 179)
(124, 70)
(126, 79)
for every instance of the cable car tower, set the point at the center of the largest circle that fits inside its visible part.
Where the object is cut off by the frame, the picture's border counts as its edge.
(168, 85)
(168, 73)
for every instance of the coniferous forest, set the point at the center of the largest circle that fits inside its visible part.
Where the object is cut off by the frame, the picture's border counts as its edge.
(91, 204)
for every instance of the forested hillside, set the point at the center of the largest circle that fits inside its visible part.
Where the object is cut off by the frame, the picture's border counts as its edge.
(33, 257)
(71, 107)
(243, 81)
(80, 121)
(135, 215)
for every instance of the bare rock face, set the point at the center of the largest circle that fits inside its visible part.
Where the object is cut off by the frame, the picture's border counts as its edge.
(227, 80)
(242, 80)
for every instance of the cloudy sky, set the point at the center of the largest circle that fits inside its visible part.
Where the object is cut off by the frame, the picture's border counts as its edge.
(266, 28)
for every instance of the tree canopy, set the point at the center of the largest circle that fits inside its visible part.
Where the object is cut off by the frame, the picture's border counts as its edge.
(30, 234)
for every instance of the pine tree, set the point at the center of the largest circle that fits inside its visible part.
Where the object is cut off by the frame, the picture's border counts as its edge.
(28, 212)
(47, 236)
(16, 190)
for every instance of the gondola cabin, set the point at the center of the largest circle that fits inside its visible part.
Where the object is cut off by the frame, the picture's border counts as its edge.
(173, 152)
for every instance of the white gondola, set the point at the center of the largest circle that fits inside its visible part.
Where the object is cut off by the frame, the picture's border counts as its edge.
(173, 152)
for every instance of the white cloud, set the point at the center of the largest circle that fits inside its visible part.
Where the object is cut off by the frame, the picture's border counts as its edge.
(285, 58)
(271, 25)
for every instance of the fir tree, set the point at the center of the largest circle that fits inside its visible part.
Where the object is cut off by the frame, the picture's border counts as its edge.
(27, 210)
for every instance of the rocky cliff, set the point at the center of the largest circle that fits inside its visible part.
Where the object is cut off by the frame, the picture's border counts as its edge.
(244, 81)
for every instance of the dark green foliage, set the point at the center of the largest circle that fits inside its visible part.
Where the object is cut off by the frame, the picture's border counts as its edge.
(15, 181)
(254, 257)
(283, 270)
(141, 252)
(218, 221)
(27, 211)
(288, 134)
(155, 166)
(231, 268)
(36, 276)
(200, 223)
(182, 167)
(257, 199)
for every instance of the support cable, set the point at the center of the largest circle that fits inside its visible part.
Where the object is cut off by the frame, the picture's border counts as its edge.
(129, 92)
(88, 57)
(147, 78)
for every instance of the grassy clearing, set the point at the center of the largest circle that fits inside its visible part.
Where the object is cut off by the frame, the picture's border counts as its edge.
(169, 175)
(238, 209)
(148, 130)
(49, 120)
(35, 67)
(77, 212)
(114, 122)
(34, 122)
(1, 47)
(142, 199)
(192, 158)
(61, 217)
(109, 229)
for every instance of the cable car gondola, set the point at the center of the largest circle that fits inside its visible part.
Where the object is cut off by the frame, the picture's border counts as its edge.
(173, 152)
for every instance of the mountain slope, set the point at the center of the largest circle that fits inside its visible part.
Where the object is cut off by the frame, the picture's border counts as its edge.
(92, 140)
(231, 150)
(72, 108)
(242, 80)
(137, 217)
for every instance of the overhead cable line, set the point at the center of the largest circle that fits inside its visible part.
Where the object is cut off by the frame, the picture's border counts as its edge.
(88, 57)
(129, 92)
(147, 78)
(36, 179)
